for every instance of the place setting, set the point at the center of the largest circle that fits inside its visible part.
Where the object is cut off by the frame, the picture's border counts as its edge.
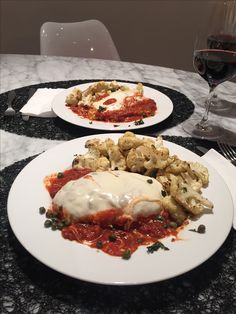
(45, 114)
(136, 206)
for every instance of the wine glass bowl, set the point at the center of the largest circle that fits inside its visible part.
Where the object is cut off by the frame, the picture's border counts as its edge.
(214, 59)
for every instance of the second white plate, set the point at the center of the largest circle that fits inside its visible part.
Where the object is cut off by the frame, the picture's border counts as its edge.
(164, 110)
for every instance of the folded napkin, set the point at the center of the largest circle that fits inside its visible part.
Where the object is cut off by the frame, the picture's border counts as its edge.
(40, 104)
(227, 171)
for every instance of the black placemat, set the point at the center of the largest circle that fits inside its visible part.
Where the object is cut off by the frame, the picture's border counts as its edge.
(28, 286)
(58, 129)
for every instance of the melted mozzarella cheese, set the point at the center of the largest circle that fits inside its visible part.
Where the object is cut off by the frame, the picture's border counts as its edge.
(99, 191)
(119, 95)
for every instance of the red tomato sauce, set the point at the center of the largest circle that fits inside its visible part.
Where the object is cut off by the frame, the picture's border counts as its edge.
(115, 240)
(109, 230)
(54, 183)
(131, 110)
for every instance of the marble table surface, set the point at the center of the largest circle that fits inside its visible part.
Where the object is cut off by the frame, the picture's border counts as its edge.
(21, 70)
(31, 287)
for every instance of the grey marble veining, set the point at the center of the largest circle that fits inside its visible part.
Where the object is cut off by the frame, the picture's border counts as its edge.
(22, 70)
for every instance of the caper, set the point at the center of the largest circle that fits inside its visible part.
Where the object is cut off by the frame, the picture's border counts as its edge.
(149, 181)
(201, 229)
(42, 210)
(49, 214)
(47, 223)
(54, 226)
(60, 226)
(60, 175)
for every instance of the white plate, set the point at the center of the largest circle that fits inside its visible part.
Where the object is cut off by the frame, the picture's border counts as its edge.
(164, 109)
(28, 193)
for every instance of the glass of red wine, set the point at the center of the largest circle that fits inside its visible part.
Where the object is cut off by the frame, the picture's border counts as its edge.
(214, 58)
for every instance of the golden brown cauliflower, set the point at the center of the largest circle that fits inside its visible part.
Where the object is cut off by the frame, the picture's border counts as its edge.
(128, 141)
(74, 97)
(190, 199)
(201, 172)
(175, 210)
(117, 160)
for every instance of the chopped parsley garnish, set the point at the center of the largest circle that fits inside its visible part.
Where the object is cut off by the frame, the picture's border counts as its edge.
(112, 238)
(101, 108)
(139, 122)
(156, 246)
(116, 125)
(126, 254)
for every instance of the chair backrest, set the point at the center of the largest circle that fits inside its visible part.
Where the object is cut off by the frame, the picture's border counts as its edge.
(86, 39)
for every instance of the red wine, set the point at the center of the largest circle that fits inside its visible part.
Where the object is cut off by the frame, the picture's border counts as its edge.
(222, 42)
(215, 66)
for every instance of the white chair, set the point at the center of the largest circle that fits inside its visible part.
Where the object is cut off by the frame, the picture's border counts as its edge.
(86, 39)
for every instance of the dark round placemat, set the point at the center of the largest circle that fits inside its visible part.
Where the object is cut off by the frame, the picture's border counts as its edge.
(28, 286)
(58, 129)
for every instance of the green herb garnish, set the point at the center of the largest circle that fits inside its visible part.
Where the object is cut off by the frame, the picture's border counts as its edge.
(139, 122)
(156, 246)
(101, 108)
(126, 254)
(112, 238)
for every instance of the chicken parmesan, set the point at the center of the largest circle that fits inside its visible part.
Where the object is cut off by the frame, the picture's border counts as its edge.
(111, 102)
(118, 196)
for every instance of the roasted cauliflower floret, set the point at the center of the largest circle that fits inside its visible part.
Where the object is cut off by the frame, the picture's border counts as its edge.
(139, 89)
(177, 166)
(101, 146)
(101, 87)
(195, 183)
(158, 160)
(159, 142)
(74, 97)
(201, 172)
(165, 182)
(117, 160)
(103, 164)
(191, 200)
(135, 161)
(128, 141)
(176, 211)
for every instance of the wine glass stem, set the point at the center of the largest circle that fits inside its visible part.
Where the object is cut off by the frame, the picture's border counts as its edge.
(203, 123)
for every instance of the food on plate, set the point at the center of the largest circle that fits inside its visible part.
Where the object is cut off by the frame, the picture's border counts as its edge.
(111, 102)
(118, 196)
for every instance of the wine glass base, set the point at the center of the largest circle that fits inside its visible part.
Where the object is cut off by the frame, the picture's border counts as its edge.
(211, 132)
